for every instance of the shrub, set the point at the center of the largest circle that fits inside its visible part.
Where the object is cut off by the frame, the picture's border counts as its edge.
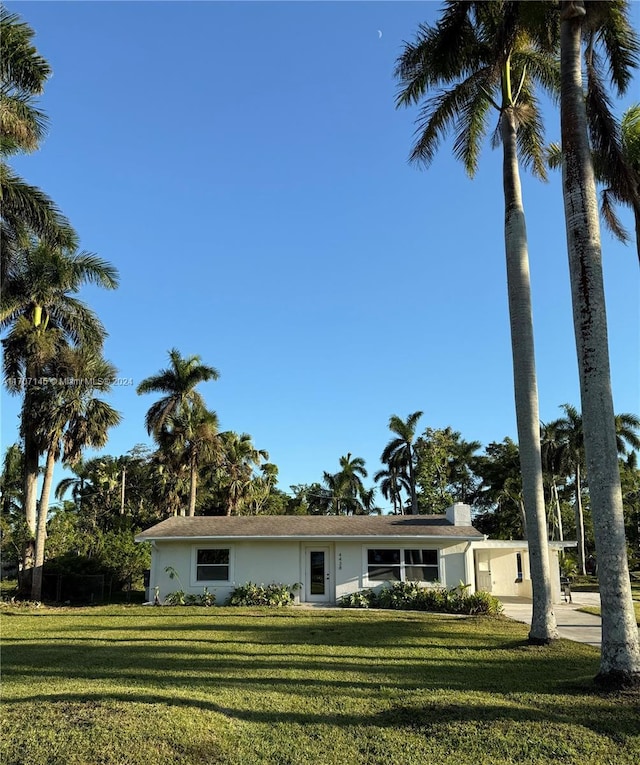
(483, 603)
(177, 598)
(360, 599)
(400, 596)
(182, 598)
(273, 595)
(410, 596)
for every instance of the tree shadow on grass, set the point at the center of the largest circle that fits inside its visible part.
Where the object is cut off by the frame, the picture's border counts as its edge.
(565, 668)
(618, 723)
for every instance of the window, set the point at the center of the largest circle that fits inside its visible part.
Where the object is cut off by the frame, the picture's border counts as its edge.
(384, 565)
(518, 567)
(421, 565)
(212, 565)
(402, 565)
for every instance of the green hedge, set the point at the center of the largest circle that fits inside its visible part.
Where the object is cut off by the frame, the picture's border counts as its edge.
(409, 596)
(273, 595)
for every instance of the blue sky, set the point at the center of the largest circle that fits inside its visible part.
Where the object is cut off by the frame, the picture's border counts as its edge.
(244, 167)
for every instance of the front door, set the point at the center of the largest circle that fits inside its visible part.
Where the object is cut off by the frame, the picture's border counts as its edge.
(318, 576)
(483, 561)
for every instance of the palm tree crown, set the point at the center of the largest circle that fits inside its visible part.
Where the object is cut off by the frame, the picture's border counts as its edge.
(26, 210)
(178, 382)
(400, 452)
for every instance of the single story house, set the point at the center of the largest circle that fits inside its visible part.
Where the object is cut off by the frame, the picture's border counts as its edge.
(332, 556)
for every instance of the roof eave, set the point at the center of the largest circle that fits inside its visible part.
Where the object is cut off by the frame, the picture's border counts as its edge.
(311, 537)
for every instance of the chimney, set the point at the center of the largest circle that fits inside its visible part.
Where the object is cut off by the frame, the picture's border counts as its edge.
(459, 514)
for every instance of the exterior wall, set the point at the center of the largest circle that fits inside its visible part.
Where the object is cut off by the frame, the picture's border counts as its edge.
(453, 565)
(503, 567)
(504, 574)
(349, 570)
(351, 563)
(258, 562)
(554, 567)
(264, 562)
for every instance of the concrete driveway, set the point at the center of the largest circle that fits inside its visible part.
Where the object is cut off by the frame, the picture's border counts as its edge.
(572, 624)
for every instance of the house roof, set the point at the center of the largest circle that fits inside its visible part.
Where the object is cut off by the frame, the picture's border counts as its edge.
(307, 527)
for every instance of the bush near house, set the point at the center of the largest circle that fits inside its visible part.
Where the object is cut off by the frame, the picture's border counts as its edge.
(274, 595)
(408, 596)
(182, 598)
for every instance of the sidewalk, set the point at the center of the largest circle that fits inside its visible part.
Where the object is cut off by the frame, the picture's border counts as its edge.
(572, 624)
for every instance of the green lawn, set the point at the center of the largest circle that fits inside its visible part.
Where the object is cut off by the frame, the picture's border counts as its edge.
(595, 610)
(121, 685)
(590, 584)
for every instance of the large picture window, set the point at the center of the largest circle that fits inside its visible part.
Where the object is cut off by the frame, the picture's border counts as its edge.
(421, 565)
(402, 565)
(212, 564)
(384, 565)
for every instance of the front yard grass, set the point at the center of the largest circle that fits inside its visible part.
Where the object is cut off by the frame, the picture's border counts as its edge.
(120, 685)
(596, 610)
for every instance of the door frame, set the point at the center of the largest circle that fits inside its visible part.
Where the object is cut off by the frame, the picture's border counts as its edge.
(483, 576)
(328, 595)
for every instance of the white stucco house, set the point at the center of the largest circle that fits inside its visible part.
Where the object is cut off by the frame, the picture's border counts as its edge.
(332, 556)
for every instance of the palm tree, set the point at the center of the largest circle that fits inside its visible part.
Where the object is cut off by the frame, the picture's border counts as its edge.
(192, 433)
(401, 452)
(10, 481)
(178, 382)
(347, 490)
(42, 314)
(485, 56)
(76, 483)
(23, 73)
(239, 458)
(168, 482)
(262, 485)
(568, 436)
(554, 466)
(69, 419)
(606, 26)
(570, 445)
(392, 482)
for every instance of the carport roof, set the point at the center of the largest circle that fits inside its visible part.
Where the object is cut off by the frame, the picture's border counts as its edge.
(307, 527)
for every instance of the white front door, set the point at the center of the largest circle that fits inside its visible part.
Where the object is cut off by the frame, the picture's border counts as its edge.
(483, 560)
(318, 575)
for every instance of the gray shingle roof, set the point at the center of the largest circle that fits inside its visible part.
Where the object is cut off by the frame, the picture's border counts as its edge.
(307, 526)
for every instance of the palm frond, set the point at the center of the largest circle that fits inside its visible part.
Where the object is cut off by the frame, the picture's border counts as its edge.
(554, 156)
(530, 133)
(22, 125)
(453, 107)
(610, 163)
(21, 66)
(610, 218)
(472, 128)
(618, 39)
(26, 205)
(630, 132)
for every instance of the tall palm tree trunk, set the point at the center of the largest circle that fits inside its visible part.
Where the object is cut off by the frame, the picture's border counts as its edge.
(41, 530)
(193, 487)
(543, 622)
(620, 657)
(31, 465)
(556, 499)
(123, 488)
(412, 484)
(579, 519)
